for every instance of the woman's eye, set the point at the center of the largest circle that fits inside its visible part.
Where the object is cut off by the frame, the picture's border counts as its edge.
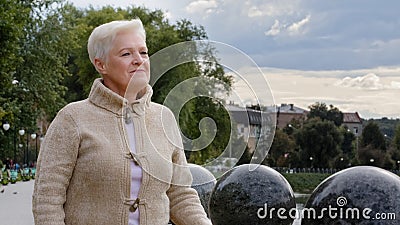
(126, 54)
(143, 53)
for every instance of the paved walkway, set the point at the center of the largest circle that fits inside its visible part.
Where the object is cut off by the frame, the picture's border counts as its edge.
(16, 203)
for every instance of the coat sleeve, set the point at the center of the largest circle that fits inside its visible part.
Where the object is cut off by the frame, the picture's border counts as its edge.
(56, 162)
(185, 206)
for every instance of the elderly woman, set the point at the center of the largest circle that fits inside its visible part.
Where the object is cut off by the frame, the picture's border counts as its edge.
(116, 157)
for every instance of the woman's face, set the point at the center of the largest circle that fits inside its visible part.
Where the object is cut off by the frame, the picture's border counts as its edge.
(126, 59)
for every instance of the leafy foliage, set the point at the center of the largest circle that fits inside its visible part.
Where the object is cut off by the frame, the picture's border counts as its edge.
(34, 51)
(320, 140)
(371, 135)
(396, 139)
(321, 110)
(347, 143)
(14, 15)
(387, 126)
(282, 149)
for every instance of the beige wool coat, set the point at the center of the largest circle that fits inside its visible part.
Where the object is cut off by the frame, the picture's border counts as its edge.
(83, 170)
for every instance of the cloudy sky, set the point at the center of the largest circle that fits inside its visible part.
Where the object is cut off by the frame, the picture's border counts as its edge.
(342, 52)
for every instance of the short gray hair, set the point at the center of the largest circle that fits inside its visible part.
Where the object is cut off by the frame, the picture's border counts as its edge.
(101, 38)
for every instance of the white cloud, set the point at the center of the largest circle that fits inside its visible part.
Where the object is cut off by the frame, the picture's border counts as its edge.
(202, 6)
(367, 82)
(254, 12)
(297, 27)
(279, 8)
(370, 82)
(395, 85)
(272, 9)
(274, 30)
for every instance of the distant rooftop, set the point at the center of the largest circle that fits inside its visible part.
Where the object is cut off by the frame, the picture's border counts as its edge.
(253, 114)
(244, 115)
(351, 118)
(231, 107)
(283, 108)
(291, 108)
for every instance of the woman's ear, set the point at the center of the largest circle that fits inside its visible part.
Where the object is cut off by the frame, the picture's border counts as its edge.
(100, 66)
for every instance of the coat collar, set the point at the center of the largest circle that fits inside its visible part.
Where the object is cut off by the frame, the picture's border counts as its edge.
(105, 98)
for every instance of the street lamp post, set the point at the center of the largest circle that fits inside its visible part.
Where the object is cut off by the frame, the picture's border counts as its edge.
(26, 153)
(311, 159)
(33, 137)
(6, 127)
(21, 132)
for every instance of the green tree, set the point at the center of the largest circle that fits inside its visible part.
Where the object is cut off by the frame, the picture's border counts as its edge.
(46, 52)
(42, 54)
(319, 140)
(205, 108)
(292, 126)
(372, 135)
(14, 16)
(347, 145)
(396, 139)
(282, 148)
(395, 147)
(34, 41)
(320, 110)
(373, 150)
(368, 155)
(386, 126)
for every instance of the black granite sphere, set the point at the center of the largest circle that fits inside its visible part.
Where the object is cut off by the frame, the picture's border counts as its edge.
(359, 195)
(203, 182)
(252, 195)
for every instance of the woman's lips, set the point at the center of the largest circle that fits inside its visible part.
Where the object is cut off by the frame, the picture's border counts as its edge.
(138, 70)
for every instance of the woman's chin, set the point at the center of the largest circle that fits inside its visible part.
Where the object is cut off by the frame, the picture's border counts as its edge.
(137, 84)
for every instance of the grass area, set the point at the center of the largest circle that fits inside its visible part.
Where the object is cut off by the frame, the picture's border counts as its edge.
(305, 182)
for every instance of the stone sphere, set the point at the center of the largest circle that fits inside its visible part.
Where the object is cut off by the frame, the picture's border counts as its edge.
(247, 194)
(359, 195)
(203, 182)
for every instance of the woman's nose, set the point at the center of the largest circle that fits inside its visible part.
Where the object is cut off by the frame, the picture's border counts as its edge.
(137, 58)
